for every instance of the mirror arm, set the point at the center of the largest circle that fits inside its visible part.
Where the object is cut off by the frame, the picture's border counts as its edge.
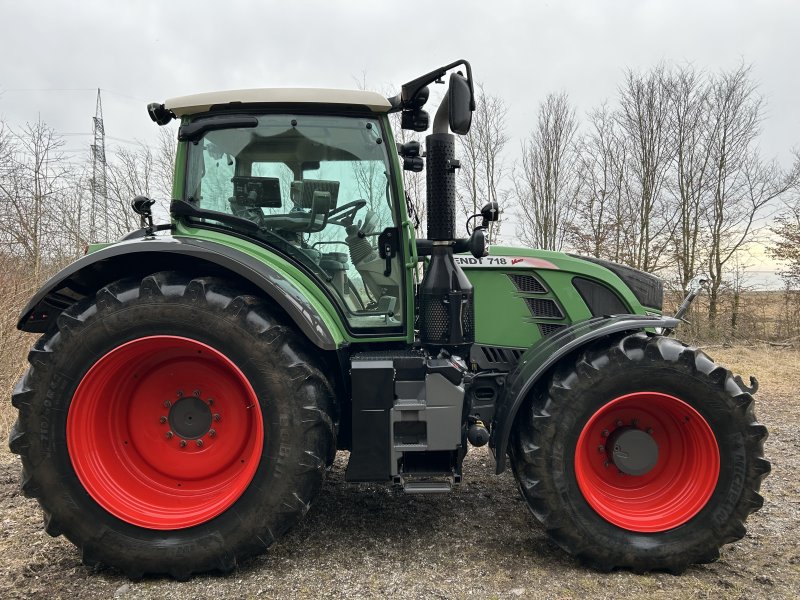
(441, 121)
(410, 89)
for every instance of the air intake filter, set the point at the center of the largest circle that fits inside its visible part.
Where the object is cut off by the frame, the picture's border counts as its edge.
(446, 309)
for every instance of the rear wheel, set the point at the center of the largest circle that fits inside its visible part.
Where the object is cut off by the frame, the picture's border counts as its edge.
(179, 426)
(643, 454)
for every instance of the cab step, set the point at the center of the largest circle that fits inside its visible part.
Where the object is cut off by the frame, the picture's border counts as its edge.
(427, 487)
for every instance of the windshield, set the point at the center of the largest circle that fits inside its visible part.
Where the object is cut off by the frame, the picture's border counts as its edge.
(318, 189)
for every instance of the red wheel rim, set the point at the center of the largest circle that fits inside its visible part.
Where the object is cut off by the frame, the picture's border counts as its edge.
(679, 484)
(165, 432)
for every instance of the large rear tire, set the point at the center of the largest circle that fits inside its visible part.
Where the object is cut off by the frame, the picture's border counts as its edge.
(172, 426)
(642, 454)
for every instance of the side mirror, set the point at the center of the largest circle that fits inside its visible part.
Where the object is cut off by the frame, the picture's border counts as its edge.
(477, 243)
(460, 99)
(490, 212)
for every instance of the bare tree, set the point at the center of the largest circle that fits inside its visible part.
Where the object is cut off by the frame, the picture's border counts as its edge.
(692, 129)
(546, 182)
(30, 194)
(787, 244)
(164, 165)
(602, 216)
(482, 158)
(742, 184)
(644, 117)
(131, 173)
(74, 213)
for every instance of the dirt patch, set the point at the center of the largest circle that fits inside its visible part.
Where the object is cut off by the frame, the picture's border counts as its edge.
(366, 541)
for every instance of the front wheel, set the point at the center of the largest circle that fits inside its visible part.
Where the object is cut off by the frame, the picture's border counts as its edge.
(642, 454)
(172, 425)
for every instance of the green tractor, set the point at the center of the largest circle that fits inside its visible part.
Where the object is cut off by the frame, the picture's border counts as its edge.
(194, 380)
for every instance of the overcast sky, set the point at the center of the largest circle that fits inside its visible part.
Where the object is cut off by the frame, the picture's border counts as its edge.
(54, 53)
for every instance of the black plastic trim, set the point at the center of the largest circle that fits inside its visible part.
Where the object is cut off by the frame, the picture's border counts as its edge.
(648, 288)
(600, 299)
(494, 357)
(140, 233)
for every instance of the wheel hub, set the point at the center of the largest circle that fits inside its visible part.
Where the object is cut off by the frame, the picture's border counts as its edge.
(190, 418)
(634, 452)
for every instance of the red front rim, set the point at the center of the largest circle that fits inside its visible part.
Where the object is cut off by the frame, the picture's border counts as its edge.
(165, 432)
(679, 484)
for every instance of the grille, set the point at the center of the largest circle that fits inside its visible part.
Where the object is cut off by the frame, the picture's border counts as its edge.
(544, 308)
(528, 284)
(435, 320)
(499, 355)
(468, 319)
(549, 328)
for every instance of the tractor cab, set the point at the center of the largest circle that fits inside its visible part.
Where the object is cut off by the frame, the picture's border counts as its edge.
(319, 188)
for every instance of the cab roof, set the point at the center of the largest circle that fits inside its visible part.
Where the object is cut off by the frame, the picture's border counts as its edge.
(199, 103)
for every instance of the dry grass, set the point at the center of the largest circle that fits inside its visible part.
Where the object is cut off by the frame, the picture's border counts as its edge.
(18, 287)
(761, 316)
(777, 369)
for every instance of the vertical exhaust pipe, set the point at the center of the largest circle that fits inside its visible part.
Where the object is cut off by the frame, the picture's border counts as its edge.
(447, 311)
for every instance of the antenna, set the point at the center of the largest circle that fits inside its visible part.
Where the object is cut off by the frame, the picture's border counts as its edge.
(99, 188)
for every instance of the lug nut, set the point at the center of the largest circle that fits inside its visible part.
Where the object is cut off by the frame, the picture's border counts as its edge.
(217, 417)
(605, 464)
(199, 443)
(180, 393)
(212, 432)
(605, 432)
(210, 401)
(601, 448)
(650, 431)
(169, 435)
(163, 419)
(196, 393)
(620, 423)
(167, 403)
(183, 443)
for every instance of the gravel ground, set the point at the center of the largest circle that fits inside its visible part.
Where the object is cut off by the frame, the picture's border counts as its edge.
(367, 541)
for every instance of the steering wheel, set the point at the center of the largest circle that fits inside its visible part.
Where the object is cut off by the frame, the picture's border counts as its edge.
(344, 214)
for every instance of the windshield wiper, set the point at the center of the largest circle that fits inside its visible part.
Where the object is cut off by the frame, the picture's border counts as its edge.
(191, 132)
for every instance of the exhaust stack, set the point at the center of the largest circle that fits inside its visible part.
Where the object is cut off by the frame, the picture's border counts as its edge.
(447, 311)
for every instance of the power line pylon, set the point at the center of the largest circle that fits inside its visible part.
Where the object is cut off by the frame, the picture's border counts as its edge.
(99, 208)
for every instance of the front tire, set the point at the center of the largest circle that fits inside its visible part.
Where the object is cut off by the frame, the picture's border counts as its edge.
(172, 426)
(642, 454)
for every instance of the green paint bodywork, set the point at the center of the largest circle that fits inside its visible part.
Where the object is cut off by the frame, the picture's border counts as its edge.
(311, 291)
(501, 315)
